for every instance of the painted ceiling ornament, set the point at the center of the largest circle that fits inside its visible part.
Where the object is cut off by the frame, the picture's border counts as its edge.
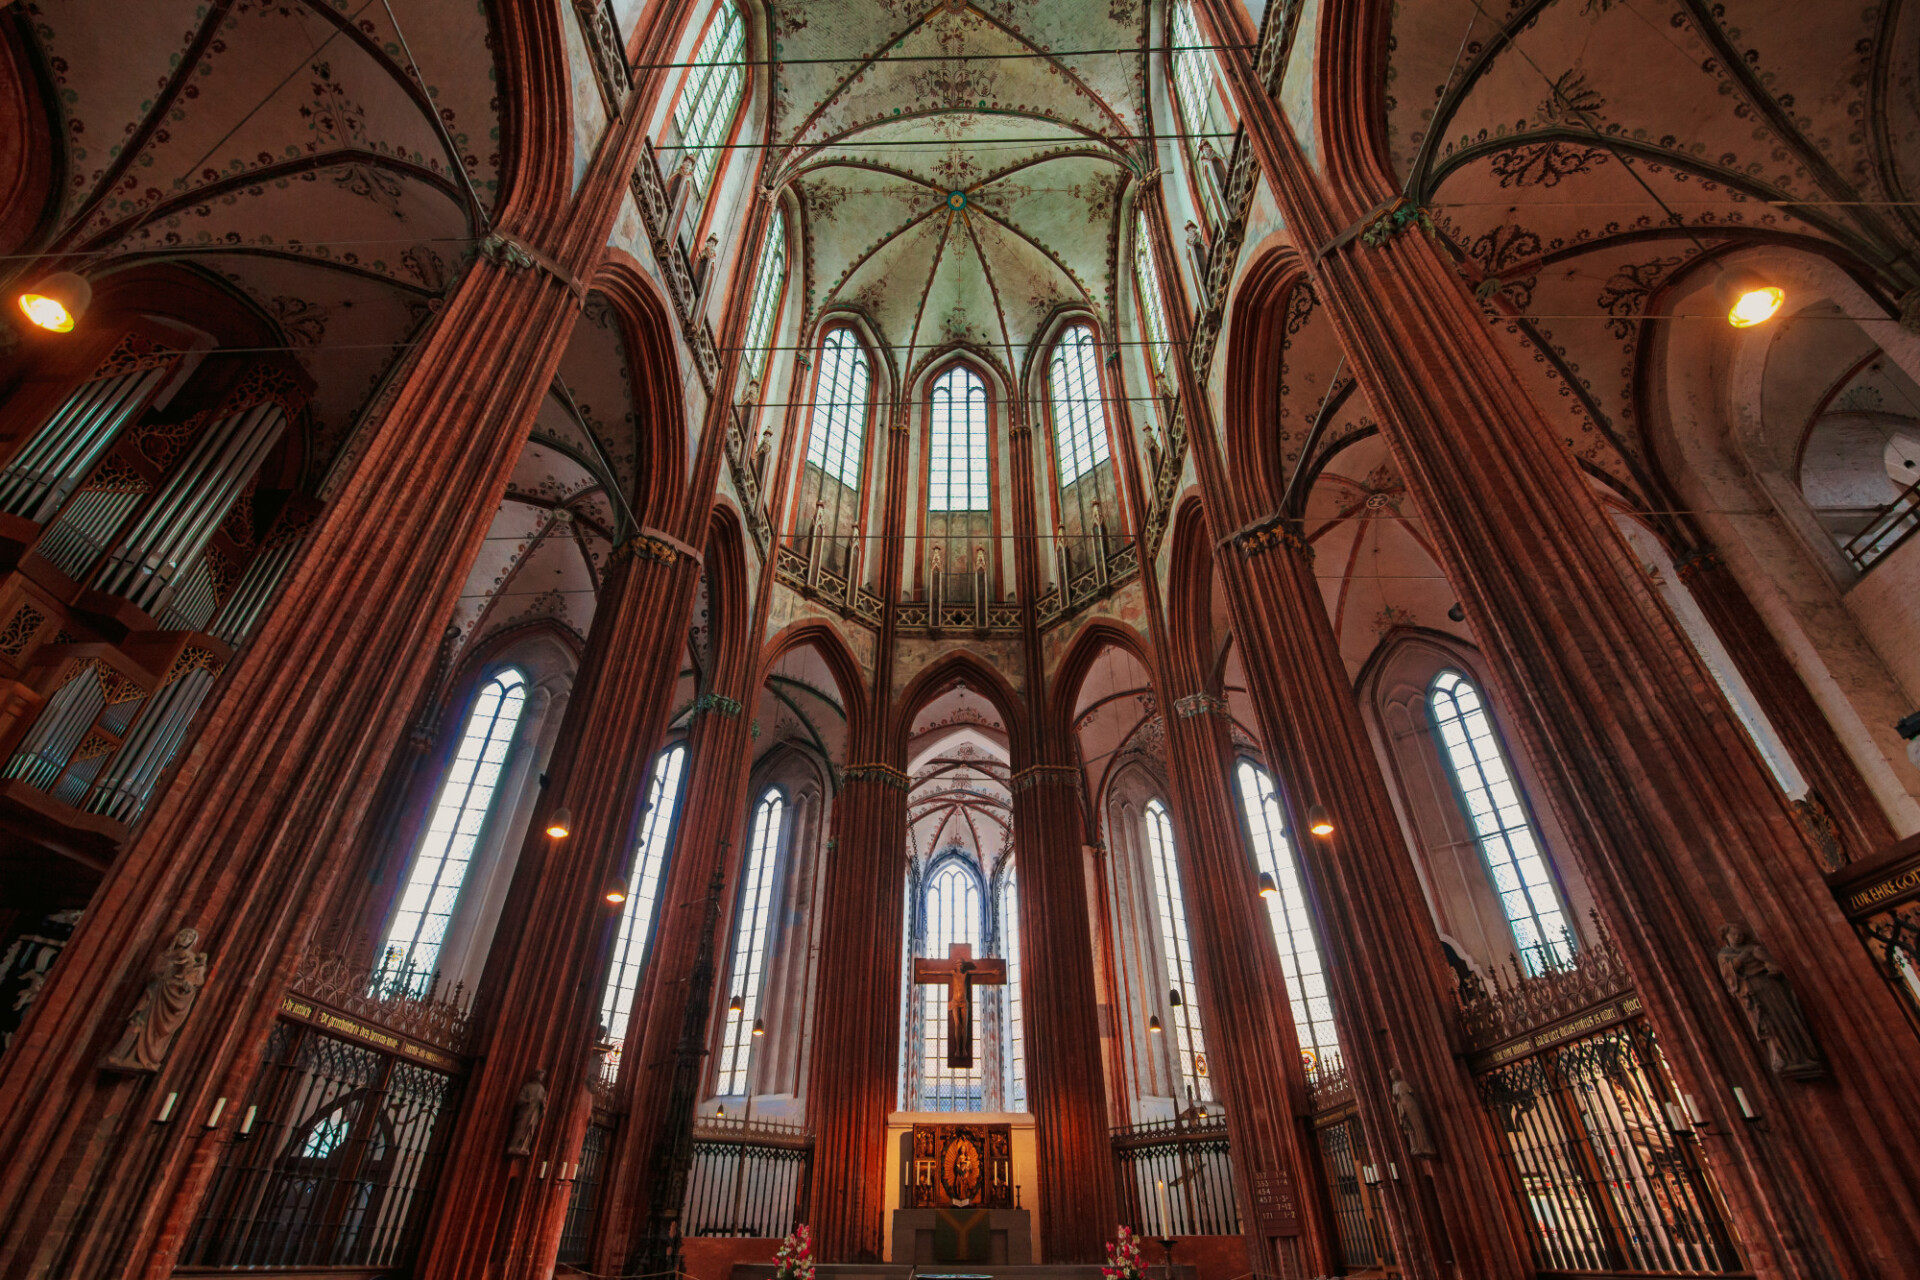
(957, 201)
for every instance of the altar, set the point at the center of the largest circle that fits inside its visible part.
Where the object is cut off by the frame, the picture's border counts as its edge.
(958, 1187)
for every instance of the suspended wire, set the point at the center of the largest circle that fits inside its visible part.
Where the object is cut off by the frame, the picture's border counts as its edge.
(878, 59)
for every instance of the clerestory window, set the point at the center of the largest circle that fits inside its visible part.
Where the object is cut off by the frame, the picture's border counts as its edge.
(747, 974)
(1176, 949)
(637, 919)
(957, 452)
(710, 94)
(1300, 960)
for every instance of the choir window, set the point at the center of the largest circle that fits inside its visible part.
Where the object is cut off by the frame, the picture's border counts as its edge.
(1193, 85)
(750, 925)
(1146, 279)
(459, 815)
(768, 285)
(1182, 999)
(1086, 491)
(957, 478)
(711, 93)
(953, 917)
(1300, 959)
(1016, 1055)
(828, 513)
(635, 940)
(1490, 797)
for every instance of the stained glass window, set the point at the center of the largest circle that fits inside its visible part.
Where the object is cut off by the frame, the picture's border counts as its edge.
(953, 917)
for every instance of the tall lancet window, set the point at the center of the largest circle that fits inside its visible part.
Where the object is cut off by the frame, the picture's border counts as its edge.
(828, 514)
(1183, 997)
(769, 283)
(1193, 90)
(1080, 450)
(1016, 1056)
(957, 453)
(1490, 797)
(710, 94)
(1273, 854)
(747, 975)
(953, 917)
(631, 948)
(459, 816)
(1153, 313)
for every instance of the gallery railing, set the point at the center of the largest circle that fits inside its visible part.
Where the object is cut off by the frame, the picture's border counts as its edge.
(1194, 1159)
(749, 1178)
(1892, 525)
(1598, 1146)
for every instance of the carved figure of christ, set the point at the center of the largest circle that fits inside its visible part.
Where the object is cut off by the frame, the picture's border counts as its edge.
(960, 973)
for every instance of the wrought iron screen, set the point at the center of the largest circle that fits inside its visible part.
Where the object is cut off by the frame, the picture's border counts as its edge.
(1351, 1178)
(339, 1166)
(1193, 1158)
(576, 1237)
(749, 1178)
(1606, 1184)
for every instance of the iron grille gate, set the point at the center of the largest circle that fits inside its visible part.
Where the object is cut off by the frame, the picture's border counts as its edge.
(583, 1204)
(1351, 1181)
(1194, 1160)
(340, 1163)
(749, 1178)
(1607, 1186)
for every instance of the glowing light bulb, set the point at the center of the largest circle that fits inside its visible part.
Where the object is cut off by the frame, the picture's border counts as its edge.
(618, 893)
(1268, 888)
(560, 825)
(1153, 1023)
(57, 302)
(1755, 305)
(1318, 822)
(47, 312)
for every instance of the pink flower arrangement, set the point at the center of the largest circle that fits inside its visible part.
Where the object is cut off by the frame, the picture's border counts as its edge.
(1123, 1258)
(793, 1260)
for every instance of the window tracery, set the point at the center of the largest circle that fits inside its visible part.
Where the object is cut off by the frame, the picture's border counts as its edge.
(769, 286)
(1490, 797)
(746, 975)
(1194, 77)
(635, 940)
(711, 92)
(1293, 933)
(957, 456)
(459, 815)
(1176, 950)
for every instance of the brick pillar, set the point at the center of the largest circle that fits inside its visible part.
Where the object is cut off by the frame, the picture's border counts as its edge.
(853, 1082)
(1253, 1052)
(1392, 995)
(243, 845)
(497, 1214)
(1674, 821)
(1066, 1082)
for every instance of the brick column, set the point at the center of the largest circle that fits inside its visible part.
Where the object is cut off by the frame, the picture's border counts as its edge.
(497, 1214)
(1675, 823)
(853, 1082)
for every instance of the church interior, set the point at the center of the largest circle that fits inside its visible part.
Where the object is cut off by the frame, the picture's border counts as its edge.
(715, 638)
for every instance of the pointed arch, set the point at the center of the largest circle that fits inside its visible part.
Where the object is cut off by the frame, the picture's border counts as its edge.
(962, 667)
(1195, 659)
(1255, 379)
(646, 332)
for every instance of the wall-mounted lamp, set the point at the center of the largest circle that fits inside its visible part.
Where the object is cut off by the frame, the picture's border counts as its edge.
(57, 303)
(560, 825)
(1747, 299)
(1268, 889)
(1318, 821)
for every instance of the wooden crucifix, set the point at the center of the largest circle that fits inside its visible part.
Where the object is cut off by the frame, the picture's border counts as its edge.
(960, 973)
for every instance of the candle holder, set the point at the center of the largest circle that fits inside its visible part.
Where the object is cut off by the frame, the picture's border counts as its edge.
(1166, 1243)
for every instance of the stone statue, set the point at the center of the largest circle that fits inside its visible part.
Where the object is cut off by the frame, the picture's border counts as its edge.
(171, 990)
(1773, 1012)
(528, 1110)
(1411, 1115)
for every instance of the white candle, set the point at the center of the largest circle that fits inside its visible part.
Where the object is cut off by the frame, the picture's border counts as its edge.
(1166, 1221)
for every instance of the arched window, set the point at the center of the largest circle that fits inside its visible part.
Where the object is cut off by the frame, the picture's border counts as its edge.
(710, 94)
(1183, 1000)
(957, 448)
(1193, 88)
(1495, 809)
(953, 918)
(1300, 960)
(631, 948)
(459, 815)
(750, 942)
(839, 408)
(768, 285)
(1079, 410)
(1146, 279)
(1016, 1056)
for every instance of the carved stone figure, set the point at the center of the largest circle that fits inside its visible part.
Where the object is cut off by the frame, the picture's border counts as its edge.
(528, 1110)
(1773, 1012)
(163, 1008)
(1411, 1115)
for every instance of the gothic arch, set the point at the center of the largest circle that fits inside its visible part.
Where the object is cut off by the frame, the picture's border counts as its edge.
(962, 668)
(1256, 380)
(646, 331)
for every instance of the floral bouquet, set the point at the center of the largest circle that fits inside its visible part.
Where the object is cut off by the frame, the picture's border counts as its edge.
(1123, 1258)
(793, 1260)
